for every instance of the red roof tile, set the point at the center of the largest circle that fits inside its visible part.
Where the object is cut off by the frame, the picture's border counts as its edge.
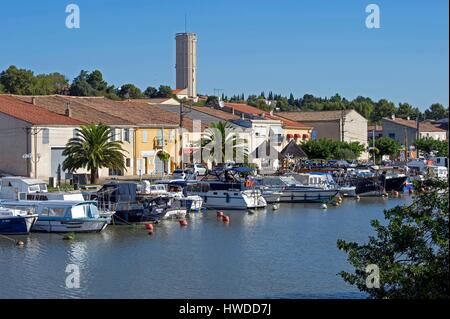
(33, 114)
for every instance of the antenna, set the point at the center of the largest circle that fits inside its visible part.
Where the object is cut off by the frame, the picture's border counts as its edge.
(185, 22)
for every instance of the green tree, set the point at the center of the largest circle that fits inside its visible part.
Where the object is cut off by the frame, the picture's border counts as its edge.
(2, 88)
(129, 91)
(95, 79)
(151, 92)
(410, 249)
(429, 145)
(17, 81)
(385, 146)
(436, 112)
(383, 108)
(222, 134)
(405, 110)
(93, 148)
(165, 91)
(46, 84)
(80, 86)
(212, 101)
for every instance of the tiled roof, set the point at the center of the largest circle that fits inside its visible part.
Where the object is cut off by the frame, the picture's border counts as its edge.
(423, 126)
(374, 127)
(80, 111)
(226, 116)
(33, 114)
(313, 116)
(248, 109)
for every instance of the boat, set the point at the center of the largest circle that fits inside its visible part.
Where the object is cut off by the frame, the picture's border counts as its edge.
(18, 188)
(58, 216)
(225, 189)
(16, 221)
(295, 192)
(175, 188)
(325, 180)
(131, 206)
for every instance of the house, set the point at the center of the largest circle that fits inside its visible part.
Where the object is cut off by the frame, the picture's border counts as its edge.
(146, 130)
(340, 125)
(32, 139)
(405, 131)
(374, 130)
(292, 130)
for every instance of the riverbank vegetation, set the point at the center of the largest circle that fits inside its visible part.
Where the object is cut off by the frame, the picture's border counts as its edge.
(408, 257)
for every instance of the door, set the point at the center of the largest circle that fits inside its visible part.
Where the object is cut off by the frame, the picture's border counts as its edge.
(159, 165)
(57, 160)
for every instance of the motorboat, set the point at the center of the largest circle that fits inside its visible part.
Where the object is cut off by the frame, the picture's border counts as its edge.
(225, 189)
(295, 192)
(59, 216)
(176, 189)
(16, 221)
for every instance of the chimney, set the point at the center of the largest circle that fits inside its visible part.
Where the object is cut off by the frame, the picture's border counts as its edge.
(33, 100)
(232, 110)
(243, 116)
(68, 110)
(393, 116)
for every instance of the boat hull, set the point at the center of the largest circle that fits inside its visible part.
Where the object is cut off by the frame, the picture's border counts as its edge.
(17, 225)
(70, 226)
(308, 196)
(233, 200)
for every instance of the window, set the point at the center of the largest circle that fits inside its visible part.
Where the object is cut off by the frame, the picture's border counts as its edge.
(257, 153)
(127, 162)
(46, 136)
(126, 135)
(115, 172)
(392, 136)
(113, 134)
(144, 136)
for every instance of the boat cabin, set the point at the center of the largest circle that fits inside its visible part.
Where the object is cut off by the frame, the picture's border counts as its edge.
(16, 187)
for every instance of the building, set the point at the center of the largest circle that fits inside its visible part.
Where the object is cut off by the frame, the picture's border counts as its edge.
(186, 63)
(145, 129)
(341, 125)
(374, 130)
(32, 139)
(292, 130)
(405, 131)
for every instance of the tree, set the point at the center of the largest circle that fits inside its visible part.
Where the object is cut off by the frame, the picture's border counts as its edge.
(436, 112)
(429, 145)
(129, 91)
(383, 108)
(2, 88)
(165, 91)
(93, 148)
(385, 146)
(17, 81)
(221, 135)
(80, 86)
(46, 84)
(95, 79)
(329, 149)
(212, 101)
(405, 110)
(151, 92)
(410, 249)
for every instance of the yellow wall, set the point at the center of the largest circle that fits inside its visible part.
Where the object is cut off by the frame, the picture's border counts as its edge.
(294, 131)
(170, 136)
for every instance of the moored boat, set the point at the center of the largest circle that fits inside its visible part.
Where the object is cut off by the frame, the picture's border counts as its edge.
(16, 221)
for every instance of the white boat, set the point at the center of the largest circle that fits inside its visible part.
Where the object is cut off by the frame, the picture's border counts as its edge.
(295, 192)
(60, 216)
(175, 189)
(16, 221)
(225, 190)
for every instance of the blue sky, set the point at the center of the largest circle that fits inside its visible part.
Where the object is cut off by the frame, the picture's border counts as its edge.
(321, 47)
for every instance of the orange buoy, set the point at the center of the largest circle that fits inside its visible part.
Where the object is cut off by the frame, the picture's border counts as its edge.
(226, 219)
(183, 222)
(149, 227)
(219, 214)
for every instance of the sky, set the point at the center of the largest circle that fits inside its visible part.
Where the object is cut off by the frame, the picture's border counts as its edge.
(319, 47)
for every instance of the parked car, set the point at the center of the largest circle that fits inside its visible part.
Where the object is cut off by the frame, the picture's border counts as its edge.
(198, 169)
(183, 174)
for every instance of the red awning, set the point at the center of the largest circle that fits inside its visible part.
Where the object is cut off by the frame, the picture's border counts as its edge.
(296, 136)
(305, 136)
(289, 136)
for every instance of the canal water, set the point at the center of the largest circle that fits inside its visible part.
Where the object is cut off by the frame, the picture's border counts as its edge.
(288, 253)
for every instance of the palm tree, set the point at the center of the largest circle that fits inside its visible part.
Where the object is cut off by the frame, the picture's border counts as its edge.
(223, 134)
(93, 148)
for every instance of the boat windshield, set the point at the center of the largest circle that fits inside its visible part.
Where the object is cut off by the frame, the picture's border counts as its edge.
(85, 211)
